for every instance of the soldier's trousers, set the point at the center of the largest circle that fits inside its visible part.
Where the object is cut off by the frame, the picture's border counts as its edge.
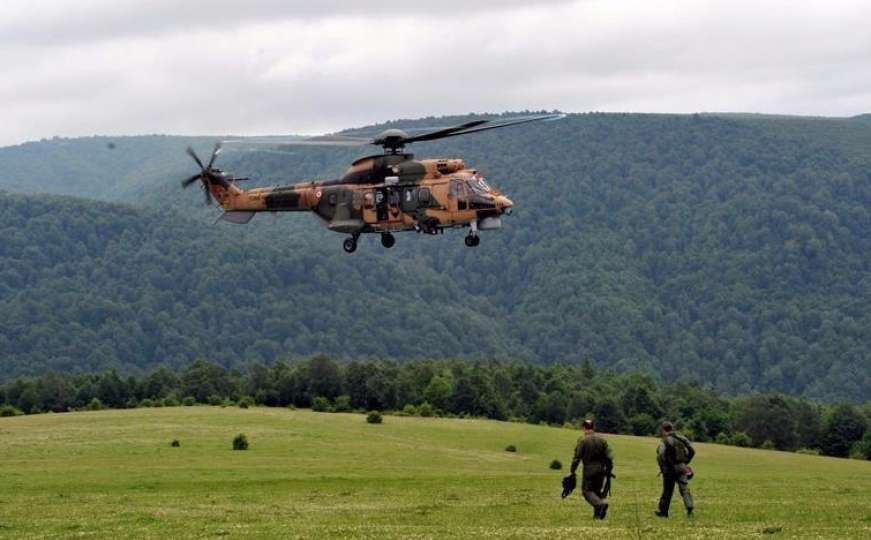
(668, 482)
(591, 488)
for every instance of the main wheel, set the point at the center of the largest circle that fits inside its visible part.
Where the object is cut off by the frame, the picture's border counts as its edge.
(472, 241)
(350, 245)
(387, 240)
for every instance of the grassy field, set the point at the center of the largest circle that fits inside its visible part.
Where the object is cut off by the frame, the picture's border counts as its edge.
(314, 475)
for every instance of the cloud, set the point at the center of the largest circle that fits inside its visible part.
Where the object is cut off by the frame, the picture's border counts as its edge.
(222, 67)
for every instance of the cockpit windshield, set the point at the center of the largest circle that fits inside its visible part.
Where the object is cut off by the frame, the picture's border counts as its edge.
(479, 185)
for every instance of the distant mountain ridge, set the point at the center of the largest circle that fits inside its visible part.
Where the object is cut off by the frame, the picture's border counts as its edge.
(727, 250)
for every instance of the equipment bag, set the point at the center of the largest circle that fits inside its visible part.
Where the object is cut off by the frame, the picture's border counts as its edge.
(683, 450)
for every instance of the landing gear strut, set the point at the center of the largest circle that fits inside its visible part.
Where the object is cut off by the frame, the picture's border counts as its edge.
(473, 240)
(387, 240)
(350, 244)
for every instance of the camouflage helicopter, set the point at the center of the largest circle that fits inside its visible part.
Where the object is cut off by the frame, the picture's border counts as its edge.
(383, 193)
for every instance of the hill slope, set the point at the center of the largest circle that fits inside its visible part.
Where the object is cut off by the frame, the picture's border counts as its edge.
(728, 250)
(334, 476)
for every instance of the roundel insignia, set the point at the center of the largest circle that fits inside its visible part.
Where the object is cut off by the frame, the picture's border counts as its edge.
(318, 194)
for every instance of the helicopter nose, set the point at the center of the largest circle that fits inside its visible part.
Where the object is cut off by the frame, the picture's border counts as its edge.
(505, 204)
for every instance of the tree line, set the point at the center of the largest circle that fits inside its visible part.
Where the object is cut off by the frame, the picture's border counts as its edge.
(517, 391)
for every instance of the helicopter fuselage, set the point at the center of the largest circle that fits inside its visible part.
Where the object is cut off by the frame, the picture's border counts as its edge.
(380, 194)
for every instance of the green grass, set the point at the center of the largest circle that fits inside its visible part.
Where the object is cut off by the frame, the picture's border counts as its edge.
(114, 474)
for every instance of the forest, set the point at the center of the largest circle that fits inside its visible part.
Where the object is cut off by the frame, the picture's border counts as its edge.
(728, 251)
(558, 394)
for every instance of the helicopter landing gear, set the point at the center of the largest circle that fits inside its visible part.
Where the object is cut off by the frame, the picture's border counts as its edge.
(350, 244)
(387, 240)
(473, 240)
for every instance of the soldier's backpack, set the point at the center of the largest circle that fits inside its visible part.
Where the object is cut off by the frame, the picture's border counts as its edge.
(683, 449)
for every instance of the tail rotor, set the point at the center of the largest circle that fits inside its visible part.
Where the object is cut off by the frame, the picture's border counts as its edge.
(207, 175)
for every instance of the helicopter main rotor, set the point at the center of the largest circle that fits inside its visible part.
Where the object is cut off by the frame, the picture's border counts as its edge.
(394, 140)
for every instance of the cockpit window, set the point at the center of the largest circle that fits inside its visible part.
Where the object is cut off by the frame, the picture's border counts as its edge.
(479, 185)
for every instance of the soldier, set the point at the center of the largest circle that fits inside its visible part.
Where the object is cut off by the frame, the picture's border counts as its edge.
(596, 456)
(674, 454)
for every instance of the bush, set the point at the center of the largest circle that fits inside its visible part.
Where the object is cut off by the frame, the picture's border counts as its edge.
(245, 402)
(320, 404)
(131, 404)
(768, 445)
(214, 400)
(556, 465)
(511, 448)
(862, 449)
(175, 443)
(643, 424)
(374, 417)
(240, 442)
(95, 405)
(146, 403)
(158, 403)
(189, 401)
(808, 451)
(343, 404)
(170, 402)
(409, 410)
(742, 440)
(425, 410)
(9, 410)
(722, 438)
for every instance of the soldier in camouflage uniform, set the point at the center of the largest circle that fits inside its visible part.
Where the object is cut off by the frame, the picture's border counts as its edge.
(673, 455)
(593, 451)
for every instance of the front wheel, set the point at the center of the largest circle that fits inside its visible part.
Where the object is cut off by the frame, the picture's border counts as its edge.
(472, 241)
(350, 245)
(387, 240)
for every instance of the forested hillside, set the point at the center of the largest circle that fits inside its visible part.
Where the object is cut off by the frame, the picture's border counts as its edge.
(728, 250)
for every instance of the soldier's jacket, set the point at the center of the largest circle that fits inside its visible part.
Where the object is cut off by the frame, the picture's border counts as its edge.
(667, 455)
(593, 451)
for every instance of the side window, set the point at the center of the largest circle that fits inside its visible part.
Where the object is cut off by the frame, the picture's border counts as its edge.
(458, 191)
(332, 199)
(423, 195)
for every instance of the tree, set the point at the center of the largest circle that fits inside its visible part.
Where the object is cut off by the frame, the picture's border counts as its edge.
(844, 427)
(767, 417)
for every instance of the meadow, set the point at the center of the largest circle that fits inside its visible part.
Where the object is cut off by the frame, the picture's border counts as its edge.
(321, 475)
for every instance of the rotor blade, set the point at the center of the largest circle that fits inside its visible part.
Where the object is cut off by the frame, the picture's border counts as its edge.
(322, 140)
(193, 154)
(494, 124)
(208, 195)
(215, 153)
(445, 132)
(191, 180)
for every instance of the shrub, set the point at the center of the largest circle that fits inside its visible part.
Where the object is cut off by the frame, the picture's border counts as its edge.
(742, 439)
(409, 410)
(170, 402)
(95, 405)
(214, 400)
(374, 417)
(146, 403)
(722, 438)
(131, 404)
(175, 443)
(245, 402)
(343, 404)
(808, 451)
(556, 465)
(158, 403)
(240, 442)
(9, 410)
(768, 445)
(320, 404)
(511, 448)
(425, 410)
(189, 401)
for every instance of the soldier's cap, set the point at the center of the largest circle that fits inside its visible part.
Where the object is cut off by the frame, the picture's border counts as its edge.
(588, 424)
(667, 427)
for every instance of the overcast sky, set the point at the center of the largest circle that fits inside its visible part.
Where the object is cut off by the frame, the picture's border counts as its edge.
(215, 67)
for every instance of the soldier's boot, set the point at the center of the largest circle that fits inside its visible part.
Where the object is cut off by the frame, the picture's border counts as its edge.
(603, 511)
(660, 513)
(690, 511)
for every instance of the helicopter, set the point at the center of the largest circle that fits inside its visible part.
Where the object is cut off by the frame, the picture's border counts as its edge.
(383, 194)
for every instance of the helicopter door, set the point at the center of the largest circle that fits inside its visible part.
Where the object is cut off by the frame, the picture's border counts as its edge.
(394, 199)
(458, 193)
